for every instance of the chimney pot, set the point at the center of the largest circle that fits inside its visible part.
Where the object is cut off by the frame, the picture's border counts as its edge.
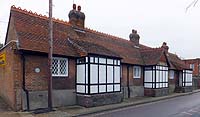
(134, 37)
(74, 6)
(77, 18)
(79, 8)
(165, 47)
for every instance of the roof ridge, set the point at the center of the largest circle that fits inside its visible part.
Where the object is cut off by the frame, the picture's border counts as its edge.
(35, 14)
(150, 49)
(106, 34)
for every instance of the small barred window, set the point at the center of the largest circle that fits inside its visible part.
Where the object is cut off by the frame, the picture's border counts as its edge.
(59, 66)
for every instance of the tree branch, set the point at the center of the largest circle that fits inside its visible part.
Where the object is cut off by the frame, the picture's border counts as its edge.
(193, 3)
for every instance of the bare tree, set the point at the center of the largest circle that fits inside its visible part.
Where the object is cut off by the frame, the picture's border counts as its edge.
(192, 4)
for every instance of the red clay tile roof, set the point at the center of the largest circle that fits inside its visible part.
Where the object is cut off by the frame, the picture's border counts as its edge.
(152, 56)
(177, 63)
(32, 33)
(32, 29)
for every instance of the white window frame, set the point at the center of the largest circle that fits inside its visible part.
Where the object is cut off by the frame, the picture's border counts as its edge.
(59, 74)
(192, 66)
(171, 74)
(136, 72)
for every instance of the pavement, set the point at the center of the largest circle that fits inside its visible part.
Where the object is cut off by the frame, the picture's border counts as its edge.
(182, 106)
(71, 111)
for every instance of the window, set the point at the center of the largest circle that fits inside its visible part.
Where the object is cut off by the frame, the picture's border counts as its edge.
(156, 77)
(59, 66)
(187, 78)
(136, 72)
(98, 75)
(192, 66)
(171, 74)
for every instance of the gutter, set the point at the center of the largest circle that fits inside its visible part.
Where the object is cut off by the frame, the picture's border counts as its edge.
(9, 43)
(23, 84)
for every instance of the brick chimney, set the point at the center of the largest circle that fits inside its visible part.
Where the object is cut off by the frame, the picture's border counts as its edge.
(134, 37)
(76, 17)
(165, 47)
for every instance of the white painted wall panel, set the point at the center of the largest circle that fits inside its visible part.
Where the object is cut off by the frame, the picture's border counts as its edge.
(188, 84)
(86, 74)
(91, 59)
(148, 85)
(158, 75)
(80, 73)
(110, 88)
(93, 74)
(109, 61)
(109, 74)
(117, 87)
(148, 76)
(154, 74)
(94, 89)
(80, 88)
(167, 76)
(102, 88)
(166, 84)
(102, 73)
(102, 60)
(117, 74)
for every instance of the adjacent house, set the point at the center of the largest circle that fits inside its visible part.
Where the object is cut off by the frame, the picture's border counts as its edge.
(90, 68)
(194, 64)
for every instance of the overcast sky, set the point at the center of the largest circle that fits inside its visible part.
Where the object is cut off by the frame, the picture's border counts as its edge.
(156, 20)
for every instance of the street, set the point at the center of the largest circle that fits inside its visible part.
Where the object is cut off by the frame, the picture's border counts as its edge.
(184, 106)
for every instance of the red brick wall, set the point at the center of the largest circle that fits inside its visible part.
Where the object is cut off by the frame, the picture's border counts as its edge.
(66, 82)
(149, 92)
(38, 81)
(196, 63)
(132, 81)
(11, 77)
(173, 81)
(124, 75)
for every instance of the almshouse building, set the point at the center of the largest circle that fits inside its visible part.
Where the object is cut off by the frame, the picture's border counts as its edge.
(90, 68)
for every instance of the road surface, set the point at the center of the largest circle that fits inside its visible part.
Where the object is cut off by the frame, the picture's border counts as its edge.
(184, 106)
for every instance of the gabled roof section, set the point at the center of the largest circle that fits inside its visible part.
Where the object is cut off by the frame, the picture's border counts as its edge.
(32, 31)
(177, 63)
(152, 56)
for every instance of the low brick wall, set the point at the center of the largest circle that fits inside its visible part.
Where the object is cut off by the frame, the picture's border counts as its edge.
(187, 89)
(156, 92)
(196, 83)
(99, 99)
(39, 99)
(136, 91)
(172, 88)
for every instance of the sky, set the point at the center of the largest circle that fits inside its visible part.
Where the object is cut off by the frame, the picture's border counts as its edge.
(156, 21)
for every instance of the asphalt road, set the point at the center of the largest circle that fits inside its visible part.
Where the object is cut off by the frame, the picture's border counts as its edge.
(184, 106)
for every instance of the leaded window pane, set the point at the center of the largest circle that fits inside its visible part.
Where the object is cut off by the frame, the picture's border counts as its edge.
(63, 67)
(55, 67)
(59, 66)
